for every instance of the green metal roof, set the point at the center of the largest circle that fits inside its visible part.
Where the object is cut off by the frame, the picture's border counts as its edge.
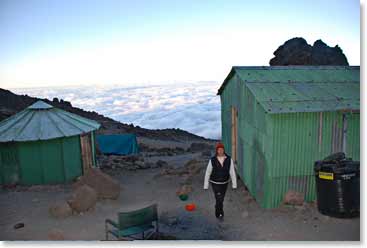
(283, 89)
(41, 121)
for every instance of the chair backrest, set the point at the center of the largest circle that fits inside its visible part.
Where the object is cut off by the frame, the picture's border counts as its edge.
(138, 217)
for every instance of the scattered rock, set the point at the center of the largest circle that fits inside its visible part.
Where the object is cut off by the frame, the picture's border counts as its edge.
(301, 207)
(293, 198)
(56, 235)
(179, 149)
(36, 188)
(151, 165)
(105, 186)
(194, 166)
(161, 236)
(172, 221)
(83, 198)
(326, 218)
(184, 189)
(199, 147)
(140, 164)
(206, 154)
(60, 210)
(45, 188)
(130, 158)
(244, 214)
(18, 225)
(161, 163)
(133, 168)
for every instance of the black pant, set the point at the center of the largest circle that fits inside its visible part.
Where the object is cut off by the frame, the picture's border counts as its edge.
(219, 193)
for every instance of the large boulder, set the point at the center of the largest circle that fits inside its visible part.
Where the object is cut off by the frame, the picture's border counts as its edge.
(322, 54)
(105, 186)
(83, 198)
(294, 198)
(60, 210)
(297, 51)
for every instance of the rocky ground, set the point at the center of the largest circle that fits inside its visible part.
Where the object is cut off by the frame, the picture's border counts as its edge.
(157, 175)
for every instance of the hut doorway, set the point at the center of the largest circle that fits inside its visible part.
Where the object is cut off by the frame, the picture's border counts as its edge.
(9, 164)
(86, 149)
(234, 133)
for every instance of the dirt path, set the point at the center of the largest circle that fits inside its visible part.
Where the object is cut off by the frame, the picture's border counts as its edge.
(244, 219)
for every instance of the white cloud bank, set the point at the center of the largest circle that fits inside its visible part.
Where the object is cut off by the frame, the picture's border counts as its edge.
(193, 107)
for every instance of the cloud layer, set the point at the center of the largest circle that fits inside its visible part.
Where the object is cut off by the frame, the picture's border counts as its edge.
(193, 107)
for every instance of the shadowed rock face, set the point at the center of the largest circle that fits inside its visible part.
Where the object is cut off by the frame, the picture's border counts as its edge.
(297, 51)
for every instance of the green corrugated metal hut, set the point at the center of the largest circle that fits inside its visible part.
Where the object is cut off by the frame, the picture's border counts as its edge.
(278, 120)
(45, 145)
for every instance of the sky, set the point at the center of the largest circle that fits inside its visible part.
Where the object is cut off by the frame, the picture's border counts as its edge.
(55, 43)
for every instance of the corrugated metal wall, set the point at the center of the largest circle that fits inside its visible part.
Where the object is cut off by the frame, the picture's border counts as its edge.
(353, 135)
(43, 162)
(276, 152)
(253, 138)
(299, 140)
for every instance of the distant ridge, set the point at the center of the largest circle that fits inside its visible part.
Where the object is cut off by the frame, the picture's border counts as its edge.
(11, 103)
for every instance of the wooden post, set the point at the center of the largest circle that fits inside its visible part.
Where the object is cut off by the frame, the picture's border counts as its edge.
(234, 133)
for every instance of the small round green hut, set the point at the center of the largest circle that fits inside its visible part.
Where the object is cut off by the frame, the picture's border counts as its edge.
(45, 145)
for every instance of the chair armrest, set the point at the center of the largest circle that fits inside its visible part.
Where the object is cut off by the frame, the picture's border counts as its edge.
(111, 222)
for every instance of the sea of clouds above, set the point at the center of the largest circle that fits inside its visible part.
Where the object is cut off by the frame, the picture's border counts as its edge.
(193, 107)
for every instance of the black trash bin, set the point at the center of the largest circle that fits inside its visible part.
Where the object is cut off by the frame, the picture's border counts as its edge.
(337, 185)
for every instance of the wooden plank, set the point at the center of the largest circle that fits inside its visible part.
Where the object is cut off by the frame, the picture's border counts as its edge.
(86, 152)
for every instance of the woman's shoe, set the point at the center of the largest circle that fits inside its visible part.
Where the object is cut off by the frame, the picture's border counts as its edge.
(221, 216)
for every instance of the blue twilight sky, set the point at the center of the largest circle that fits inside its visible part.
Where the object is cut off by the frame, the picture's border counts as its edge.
(53, 43)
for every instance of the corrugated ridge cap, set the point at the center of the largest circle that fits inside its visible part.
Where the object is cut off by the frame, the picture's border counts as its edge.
(238, 69)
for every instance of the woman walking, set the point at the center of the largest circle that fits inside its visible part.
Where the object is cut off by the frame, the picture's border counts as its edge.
(219, 171)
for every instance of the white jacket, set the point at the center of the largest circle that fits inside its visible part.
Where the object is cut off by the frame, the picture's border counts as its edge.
(208, 172)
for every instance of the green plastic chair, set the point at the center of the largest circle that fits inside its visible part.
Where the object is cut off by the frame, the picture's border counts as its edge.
(132, 223)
